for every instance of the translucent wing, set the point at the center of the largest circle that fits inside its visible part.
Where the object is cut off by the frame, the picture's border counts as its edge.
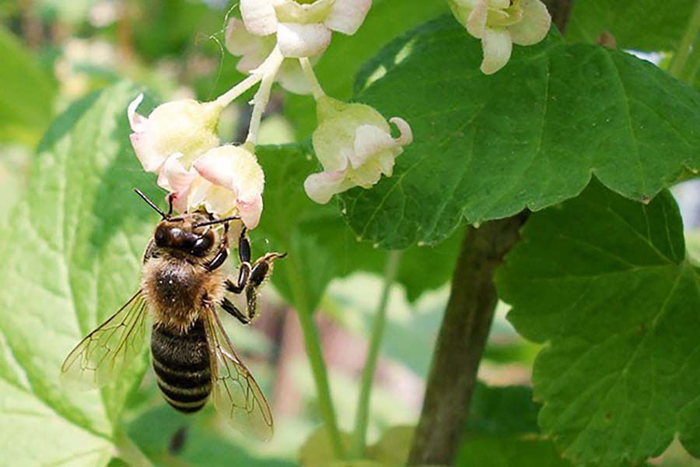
(103, 355)
(236, 394)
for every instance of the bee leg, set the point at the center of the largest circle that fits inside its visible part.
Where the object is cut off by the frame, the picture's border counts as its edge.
(220, 258)
(231, 309)
(251, 293)
(262, 267)
(243, 275)
(244, 250)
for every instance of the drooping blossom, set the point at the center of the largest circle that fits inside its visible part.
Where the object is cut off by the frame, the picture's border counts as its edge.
(253, 50)
(353, 142)
(184, 127)
(303, 28)
(500, 23)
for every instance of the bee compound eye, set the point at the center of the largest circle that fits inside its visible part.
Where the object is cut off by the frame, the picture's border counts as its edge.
(202, 245)
(161, 236)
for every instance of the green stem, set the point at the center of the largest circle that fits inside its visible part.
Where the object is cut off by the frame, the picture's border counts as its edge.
(314, 353)
(357, 448)
(685, 49)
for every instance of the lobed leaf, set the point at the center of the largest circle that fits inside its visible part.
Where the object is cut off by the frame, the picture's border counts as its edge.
(607, 284)
(530, 136)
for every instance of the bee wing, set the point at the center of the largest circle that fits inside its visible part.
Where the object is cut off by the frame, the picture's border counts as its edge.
(103, 355)
(236, 394)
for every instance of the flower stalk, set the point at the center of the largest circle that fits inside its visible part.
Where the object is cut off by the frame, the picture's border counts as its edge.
(268, 70)
(359, 440)
(316, 88)
(686, 49)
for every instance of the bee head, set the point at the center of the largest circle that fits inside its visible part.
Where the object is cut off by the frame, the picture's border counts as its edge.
(190, 233)
(184, 234)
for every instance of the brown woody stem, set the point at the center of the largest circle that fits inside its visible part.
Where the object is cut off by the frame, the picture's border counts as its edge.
(461, 341)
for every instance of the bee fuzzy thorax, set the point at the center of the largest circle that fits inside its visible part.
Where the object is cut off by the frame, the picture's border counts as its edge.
(173, 287)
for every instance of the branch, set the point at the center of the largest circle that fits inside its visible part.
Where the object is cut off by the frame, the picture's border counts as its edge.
(461, 342)
(560, 11)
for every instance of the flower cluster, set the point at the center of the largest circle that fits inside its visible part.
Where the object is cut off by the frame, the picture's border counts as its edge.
(500, 23)
(277, 40)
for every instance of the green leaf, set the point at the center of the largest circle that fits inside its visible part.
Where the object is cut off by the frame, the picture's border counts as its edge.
(393, 447)
(502, 411)
(71, 257)
(530, 136)
(26, 94)
(317, 451)
(606, 282)
(647, 25)
(339, 64)
(508, 451)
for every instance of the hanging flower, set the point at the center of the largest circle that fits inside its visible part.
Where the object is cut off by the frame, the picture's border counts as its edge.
(185, 127)
(354, 145)
(499, 24)
(303, 27)
(253, 51)
(225, 181)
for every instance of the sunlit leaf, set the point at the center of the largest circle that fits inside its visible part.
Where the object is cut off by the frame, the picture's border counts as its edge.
(71, 257)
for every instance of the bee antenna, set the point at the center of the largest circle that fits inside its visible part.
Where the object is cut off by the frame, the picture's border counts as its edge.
(153, 205)
(218, 221)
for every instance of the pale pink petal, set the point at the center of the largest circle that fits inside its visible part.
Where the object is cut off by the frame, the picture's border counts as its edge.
(347, 16)
(233, 168)
(476, 22)
(497, 47)
(292, 78)
(386, 163)
(174, 177)
(406, 136)
(239, 41)
(137, 121)
(179, 201)
(259, 16)
(302, 40)
(369, 141)
(322, 186)
(251, 212)
(150, 159)
(534, 25)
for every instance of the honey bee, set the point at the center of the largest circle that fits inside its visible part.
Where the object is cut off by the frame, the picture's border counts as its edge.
(193, 358)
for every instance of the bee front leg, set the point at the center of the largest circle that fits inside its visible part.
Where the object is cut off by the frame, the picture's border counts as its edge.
(221, 256)
(244, 254)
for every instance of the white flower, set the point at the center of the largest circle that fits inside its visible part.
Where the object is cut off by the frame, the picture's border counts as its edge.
(303, 27)
(354, 144)
(185, 127)
(253, 51)
(225, 181)
(500, 23)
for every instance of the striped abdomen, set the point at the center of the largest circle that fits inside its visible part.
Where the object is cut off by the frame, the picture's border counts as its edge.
(181, 363)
